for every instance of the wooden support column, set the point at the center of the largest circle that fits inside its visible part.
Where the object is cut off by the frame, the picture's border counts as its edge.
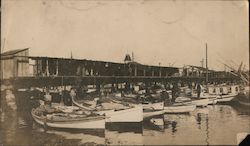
(47, 67)
(147, 87)
(113, 87)
(127, 86)
(135, 70)
(57, 67)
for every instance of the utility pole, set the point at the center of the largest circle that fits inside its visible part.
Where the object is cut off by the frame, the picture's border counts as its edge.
(206, 65)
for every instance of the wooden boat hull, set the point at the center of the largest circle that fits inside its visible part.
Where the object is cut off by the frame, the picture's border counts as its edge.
(88, 123)
(244, 103)
(243, 98)
(198, 102)
(226, 98)
(212, 101)
(148, 114)
(184, 108)
(153, 106)
(134, 114)
(81, 106)
(201, 102)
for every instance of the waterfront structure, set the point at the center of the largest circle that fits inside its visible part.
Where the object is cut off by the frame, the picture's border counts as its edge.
(26, 71)
(14, 63)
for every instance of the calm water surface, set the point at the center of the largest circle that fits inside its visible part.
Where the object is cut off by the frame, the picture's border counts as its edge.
(213, 125)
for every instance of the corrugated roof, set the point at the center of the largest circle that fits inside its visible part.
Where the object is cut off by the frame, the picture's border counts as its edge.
(13, 52)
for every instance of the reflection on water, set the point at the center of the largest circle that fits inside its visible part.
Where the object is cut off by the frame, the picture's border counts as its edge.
(213, 125)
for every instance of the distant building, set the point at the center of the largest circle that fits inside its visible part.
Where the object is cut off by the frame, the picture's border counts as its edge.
(15, 63)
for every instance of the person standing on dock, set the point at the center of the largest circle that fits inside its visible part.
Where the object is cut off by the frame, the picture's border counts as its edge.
(72, 95)
(175, 91)
(47, 97)
(198, 90)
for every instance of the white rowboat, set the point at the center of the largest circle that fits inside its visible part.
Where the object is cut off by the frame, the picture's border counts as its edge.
(95, 122)
(179, 108)
(153, 106)
(148, 114)
(134, 114)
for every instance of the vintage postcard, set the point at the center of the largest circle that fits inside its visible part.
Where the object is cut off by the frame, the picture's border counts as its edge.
(124, 72)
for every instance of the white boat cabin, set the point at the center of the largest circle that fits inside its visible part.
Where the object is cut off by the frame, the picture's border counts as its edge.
(223, 90)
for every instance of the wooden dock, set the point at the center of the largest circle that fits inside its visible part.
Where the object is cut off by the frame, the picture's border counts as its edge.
(26, 82)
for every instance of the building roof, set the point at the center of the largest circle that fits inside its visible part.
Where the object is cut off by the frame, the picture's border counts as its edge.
(13, 52)
(200, 68)
(127, 58)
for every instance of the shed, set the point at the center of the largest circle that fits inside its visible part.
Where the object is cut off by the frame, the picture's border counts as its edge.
(15, 63)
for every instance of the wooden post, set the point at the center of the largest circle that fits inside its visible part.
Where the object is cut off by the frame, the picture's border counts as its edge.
(47, 66)
(206, 65)
(56, 67)
(135, 70)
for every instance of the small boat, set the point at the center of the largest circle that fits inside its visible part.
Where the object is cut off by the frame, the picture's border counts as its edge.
(130, 95)
(243, 98)
(212, 101)
(153, 106)
(78, 104)
(115, 111)
(212, 98)
(226, 98)
(224, 93)
(69, 121)
(198, 102)
(201, 102)
(152, 113)
(244, 103)
(179, 108)
(132, 114)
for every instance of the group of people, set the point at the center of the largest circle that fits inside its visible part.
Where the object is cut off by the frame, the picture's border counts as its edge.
(63, 96)
(176, 92)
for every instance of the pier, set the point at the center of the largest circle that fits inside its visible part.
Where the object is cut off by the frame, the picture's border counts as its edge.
(24, 71)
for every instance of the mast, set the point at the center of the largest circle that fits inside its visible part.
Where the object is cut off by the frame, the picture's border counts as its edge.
(206, 65)
(132, 56)
(71, 55)
(202, 63)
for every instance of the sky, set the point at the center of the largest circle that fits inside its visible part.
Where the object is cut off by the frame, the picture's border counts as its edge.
(169, 32)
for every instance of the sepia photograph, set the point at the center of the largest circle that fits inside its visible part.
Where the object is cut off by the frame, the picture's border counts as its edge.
(124, 72)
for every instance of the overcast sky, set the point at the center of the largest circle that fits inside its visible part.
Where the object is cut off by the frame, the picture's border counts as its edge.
(165, 31)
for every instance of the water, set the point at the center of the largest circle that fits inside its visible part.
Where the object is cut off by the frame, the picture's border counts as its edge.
(213, 125)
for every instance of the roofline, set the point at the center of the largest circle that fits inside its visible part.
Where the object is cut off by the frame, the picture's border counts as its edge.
(19, 50)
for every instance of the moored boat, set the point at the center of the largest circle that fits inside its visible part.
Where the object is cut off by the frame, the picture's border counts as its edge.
(153, 106)
(198, 102)
(115, 111)
(226, 98)
(151, 113)
(203, 95)
(223, 93)
(201, 102)
(133, 114)
(69, 121)
(179, 108)
(243, 97)
(244, 103)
